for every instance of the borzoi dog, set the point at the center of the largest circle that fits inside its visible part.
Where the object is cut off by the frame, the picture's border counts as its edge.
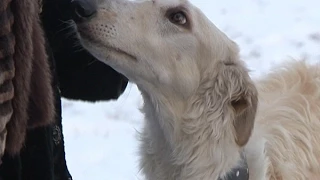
(205, 118)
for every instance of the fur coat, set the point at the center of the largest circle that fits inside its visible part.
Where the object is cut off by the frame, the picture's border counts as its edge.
(75, 75)
(26, 96)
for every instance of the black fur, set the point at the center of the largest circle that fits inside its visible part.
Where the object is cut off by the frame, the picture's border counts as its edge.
(80, 75)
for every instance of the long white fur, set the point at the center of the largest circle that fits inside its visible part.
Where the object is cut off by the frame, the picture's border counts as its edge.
(201, 107)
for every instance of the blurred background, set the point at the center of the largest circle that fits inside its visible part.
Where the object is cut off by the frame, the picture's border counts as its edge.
(101, 138)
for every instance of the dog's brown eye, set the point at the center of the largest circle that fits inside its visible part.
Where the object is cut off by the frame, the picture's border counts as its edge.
(179, 18)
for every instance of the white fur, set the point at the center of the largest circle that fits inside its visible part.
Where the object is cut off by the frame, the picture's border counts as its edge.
(201, 107)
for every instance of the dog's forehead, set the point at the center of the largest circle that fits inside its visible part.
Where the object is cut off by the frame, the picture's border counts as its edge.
(163, 3)
(168, 3)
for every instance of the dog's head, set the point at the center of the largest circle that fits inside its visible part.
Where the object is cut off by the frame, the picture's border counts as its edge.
(170, 47)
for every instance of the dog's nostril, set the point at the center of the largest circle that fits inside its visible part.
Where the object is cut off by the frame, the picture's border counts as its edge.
(83, 9)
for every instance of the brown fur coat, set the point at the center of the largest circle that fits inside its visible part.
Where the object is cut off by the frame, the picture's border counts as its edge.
(26, 96)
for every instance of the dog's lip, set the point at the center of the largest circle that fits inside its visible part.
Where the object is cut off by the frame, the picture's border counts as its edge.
(89, 38)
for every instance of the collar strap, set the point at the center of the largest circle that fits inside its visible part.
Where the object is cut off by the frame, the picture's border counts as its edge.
(239, 173)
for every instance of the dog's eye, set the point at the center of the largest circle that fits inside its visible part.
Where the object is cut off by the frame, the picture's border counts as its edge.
(179, 18)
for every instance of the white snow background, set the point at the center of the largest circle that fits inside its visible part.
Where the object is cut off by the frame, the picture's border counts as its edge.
(101, 139)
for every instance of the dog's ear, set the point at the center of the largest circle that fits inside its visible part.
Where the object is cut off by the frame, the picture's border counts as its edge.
(241, 98)
(245, 106)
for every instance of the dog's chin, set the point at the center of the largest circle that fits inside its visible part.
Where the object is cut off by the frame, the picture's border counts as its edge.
(102, 50)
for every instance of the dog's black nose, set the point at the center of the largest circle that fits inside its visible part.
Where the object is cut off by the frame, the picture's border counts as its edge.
(83, 9)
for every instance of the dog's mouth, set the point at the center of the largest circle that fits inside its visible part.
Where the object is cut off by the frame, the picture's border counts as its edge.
(88, 37)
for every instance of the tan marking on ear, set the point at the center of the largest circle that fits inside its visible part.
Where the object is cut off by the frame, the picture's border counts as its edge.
(245, 111)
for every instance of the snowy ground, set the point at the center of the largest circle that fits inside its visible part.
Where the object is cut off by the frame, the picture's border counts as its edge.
(101, 140)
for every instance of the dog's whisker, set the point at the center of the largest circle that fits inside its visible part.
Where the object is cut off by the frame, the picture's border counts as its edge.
(68, 25)
(93, 61)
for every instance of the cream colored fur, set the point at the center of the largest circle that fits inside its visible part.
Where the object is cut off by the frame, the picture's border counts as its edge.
(201, 107)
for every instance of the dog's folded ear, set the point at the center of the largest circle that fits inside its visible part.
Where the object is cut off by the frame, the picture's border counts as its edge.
(245, 107)
(241, 98)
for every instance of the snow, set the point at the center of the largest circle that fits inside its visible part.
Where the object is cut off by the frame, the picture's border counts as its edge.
(101, 138)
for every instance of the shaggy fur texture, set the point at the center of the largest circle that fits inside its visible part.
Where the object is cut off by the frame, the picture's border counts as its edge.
(201, 106)
(32, 102)
(7, 43)
(285, 142)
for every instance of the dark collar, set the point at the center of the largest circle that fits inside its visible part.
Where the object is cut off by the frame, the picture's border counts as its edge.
(239, 173)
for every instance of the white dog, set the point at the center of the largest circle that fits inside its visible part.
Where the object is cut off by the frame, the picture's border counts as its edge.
(201, 107)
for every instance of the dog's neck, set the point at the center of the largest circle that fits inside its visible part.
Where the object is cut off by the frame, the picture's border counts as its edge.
(185, 142)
